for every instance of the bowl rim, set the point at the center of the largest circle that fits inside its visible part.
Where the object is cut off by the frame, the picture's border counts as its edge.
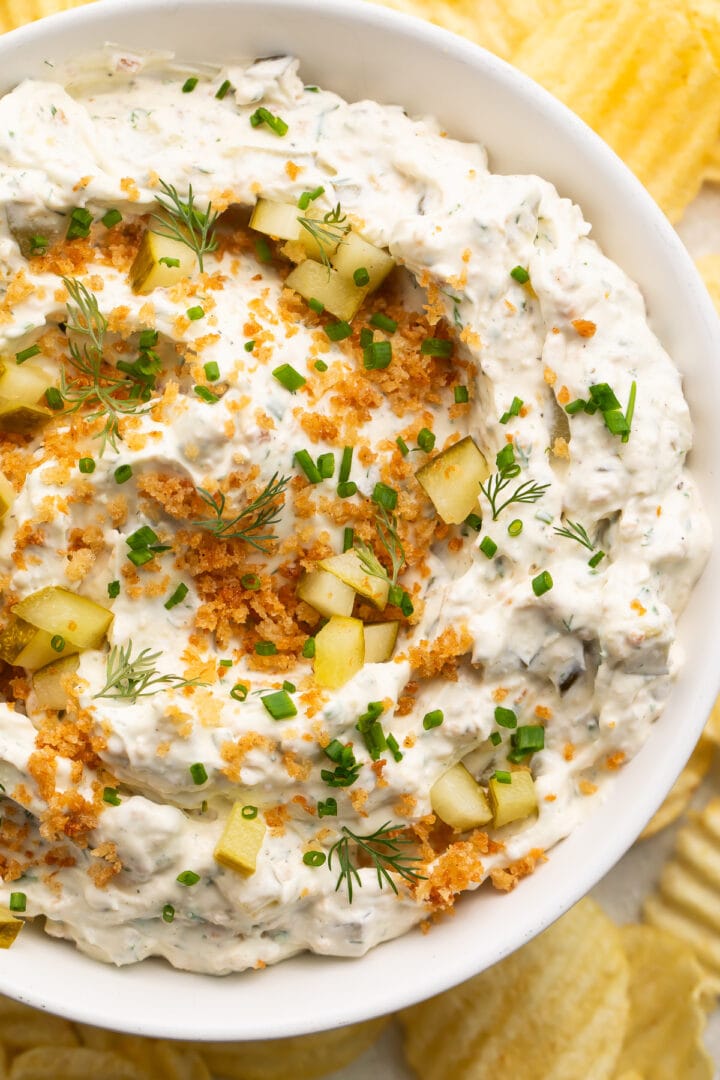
(434, 973)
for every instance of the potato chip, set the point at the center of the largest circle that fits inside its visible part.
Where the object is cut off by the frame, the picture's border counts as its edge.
(684, 788)
(644, 78)
(711, 170)
(14, 13)
(303, 1058)
(555, 1010)
(76, 1063)
(22, 1027)
(687, 903)
(667, 1018)
(709, 267)
(160, 1059)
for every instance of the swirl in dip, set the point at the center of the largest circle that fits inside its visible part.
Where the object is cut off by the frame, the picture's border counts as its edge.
(346, 520)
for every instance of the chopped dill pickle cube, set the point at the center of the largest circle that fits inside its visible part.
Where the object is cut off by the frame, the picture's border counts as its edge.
(240, 842)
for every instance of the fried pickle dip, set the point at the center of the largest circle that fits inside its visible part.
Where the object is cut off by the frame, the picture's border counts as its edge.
(345, 517)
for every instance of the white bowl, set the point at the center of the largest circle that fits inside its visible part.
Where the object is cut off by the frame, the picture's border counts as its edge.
(363, 51)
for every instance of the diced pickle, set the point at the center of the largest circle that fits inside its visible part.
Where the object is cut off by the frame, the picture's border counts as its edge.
(513, 801)
(279, 220)
(22, 419)
(25, 646)
(326, 593)
(10, 927)
(240, 842)
(50, 683)
(459, 801)
(159, 263)
(453, 478)
(339, 295)
(357, 254)
(350, 569)
(339, 651)
(380, 641)
(22, 384)
(78, 620)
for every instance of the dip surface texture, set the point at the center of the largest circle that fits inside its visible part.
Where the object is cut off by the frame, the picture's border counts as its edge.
(537, 638)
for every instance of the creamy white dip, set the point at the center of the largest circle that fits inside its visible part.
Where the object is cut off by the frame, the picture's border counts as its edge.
(592, 658)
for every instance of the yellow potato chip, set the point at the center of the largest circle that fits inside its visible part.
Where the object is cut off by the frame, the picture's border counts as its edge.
(302, 1058)
(709, 267)
(159, 1059)
(14, 13)
(555, 1010)
(644, 78)
(22, 1027)
(712, 165)
(687, 902)
(684, 788)
(667, 1018)
(76, 1063)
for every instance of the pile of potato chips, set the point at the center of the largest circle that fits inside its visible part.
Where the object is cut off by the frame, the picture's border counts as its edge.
(586, 1000)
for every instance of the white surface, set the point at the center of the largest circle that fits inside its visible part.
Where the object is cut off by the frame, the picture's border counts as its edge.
(369, 51)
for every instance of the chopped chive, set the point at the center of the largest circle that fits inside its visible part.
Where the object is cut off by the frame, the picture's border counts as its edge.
(251, 582)
(339, 330)
(168, 913)
(529, 738)
(436, 347)
(142, 537)
(385, 496)
(520, 274)
(320, 365)
(288, 377)
(433, 719)
(290, 687)
(514, 410)
(377, 355)
(212, 371)
(347, 490)
(79, 225)
(361, 276)
(348, 538)
(54, 398)
(279, 704)
(505, 717)
(189, 85)
(502, 777)
(495, 738)
(474, 522)
(177, 597)
(366, 337)
(188, 877)
(262, 249)
(122, 474)
(27, 354)
(239, 692)
(393, 747)
(265, 648)
(345, 464)
(141, 557)
(515, 527)
(198, 773)
(542, 583)
(225, 87)
(264, 116)
(18, 901)
(383, 322)
(327, 807)
(597, 558)
(402, 446)
(308, 649)
(195, 313)
(308, 466)
(461, 395)
(57, 642)
(425, 440)
(110, 795)
(249, 812)
(316, 305)
(249, 346)
(148, 339)
(206, 395)
(326, 465)
(86, 465)
(616, 423)
(225, 663)
(505, 458)
(38, 245)
(576, 406)
(314, 858)
(630, 411)
(111, 218)
(603, 396)
(113, 589)
(309, 196)
(488, 547)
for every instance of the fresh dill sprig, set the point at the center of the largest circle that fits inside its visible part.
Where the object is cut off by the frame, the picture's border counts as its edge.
(128, 680)
(331, 230)
(527, 492)
(111, 395)
(576, 531)
(182, 221)
(386, 525)
(262, 513)
(384, 849)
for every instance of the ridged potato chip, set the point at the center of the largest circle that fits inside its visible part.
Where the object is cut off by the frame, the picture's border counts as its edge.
(556, 1009)
(497, 25)
(687, 902)
(643, 77)
(22, 1027)
(685, 786)
(304, 1058)
(667, 1018)
(159, 1059)
(73, 1063)
(14, 13)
